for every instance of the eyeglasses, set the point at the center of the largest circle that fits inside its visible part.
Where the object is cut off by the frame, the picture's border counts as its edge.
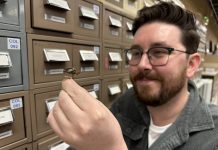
(158, 56)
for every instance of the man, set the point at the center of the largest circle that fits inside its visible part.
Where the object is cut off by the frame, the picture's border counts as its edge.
(163, 111)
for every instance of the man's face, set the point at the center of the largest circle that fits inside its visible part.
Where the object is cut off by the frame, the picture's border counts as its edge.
(156, 85)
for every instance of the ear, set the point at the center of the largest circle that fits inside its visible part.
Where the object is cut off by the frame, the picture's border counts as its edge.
(193, 64)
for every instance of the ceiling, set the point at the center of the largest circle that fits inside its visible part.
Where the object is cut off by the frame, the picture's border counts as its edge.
(214, 5)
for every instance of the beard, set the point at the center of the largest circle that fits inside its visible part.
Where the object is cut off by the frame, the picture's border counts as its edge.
(169, 87)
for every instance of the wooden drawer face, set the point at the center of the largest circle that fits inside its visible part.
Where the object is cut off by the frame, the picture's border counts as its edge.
(50, 142)
(86, 59)
(88, 18)
(53, 15)
(50, 60)
(111, 90)
(93, 86)
(112, 60)
(127, 31)
(42, 102)
(126, 84)
(24, 147)
(112, 26)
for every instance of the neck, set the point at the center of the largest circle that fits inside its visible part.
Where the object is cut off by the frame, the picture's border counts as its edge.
(168, 113)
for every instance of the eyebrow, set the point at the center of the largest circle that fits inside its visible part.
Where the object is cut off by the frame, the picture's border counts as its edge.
(159, 44)
(136, 46)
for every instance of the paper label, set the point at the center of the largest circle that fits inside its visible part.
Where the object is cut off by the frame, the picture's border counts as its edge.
(87, 69)
(96, 87)
(54, 71)
(6, 134)
(16, 103)
(87, 55)
(62, 146)
(88, 12)
(129, 35)
(5, 60)
(59, 3)
(113, 67)
(93, 93)
(114, 56)
(50, 103)
(129, 26)
(13, 43)
(96, 9)
(114, 89)
(129, 85)
(4, 76)
(59, 55)
(55, 18)
(115, 32)
(5, 116)
(88, 26)
(115, 22)
(96, 49)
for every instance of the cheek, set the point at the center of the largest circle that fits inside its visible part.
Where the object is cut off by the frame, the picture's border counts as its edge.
(132, 70)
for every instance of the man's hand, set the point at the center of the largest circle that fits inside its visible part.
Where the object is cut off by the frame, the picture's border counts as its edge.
(84, 122)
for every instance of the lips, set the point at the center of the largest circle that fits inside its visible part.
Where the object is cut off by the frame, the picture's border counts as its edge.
(145, 81)
(148, 77)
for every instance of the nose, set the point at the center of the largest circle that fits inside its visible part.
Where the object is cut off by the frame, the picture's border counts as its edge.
(144, 63)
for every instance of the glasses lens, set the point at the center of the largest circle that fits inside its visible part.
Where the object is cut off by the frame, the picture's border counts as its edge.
(158, 56)
(134, 56)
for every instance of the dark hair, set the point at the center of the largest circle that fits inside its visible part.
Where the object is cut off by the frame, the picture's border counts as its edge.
(172, 14)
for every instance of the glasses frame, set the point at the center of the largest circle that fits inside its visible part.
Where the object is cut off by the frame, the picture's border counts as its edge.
(169, 49)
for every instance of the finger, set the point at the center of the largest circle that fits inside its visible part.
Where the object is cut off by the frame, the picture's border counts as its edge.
(60, 117)
(54, 125)
(68, 108)
(78, 94)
